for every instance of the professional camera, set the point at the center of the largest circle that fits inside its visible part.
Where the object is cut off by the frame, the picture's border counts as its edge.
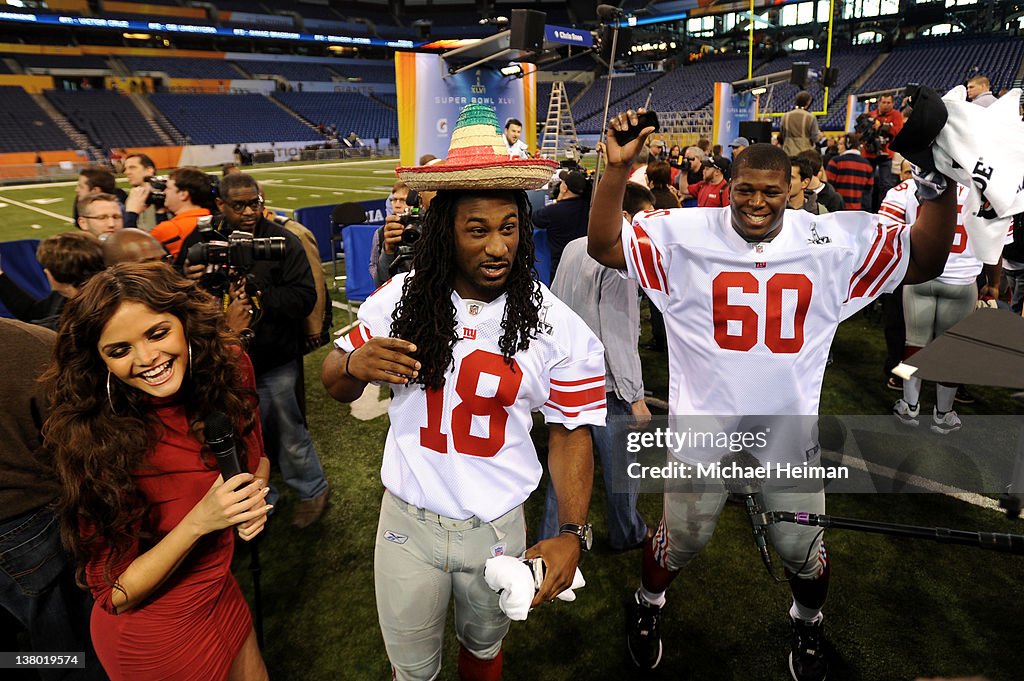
(874, 139)
(232, 259)
(412, 230)
(158, 190)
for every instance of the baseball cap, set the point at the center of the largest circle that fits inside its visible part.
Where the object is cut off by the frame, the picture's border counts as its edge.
(575, 180)
(658, 143)
(739, 142)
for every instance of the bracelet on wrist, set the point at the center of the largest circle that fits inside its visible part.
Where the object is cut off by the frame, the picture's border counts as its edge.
(348, 358)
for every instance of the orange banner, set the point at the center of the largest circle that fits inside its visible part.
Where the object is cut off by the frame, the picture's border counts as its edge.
(165, 158)
(32, 84)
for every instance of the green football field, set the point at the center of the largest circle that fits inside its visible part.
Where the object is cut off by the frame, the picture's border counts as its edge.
(37, 211)
(898, 609)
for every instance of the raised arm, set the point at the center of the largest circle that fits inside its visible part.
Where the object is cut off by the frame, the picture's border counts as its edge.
(931, 237)
(604, 233)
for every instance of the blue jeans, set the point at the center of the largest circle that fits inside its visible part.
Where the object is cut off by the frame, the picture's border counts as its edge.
(285, 435)
(625, 526)
(1014, 279)
(37, 586)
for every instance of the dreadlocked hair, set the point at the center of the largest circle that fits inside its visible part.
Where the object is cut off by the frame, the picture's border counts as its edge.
(425, 315)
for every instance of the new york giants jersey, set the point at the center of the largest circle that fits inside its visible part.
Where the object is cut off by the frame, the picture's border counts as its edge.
(749, 325)
(465, 450)
(901, 206)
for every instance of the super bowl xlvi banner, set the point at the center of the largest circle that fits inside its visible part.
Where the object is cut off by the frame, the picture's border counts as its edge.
(730, 109)
(430, 99)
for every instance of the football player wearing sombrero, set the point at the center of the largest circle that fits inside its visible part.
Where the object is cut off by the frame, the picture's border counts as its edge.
(471, 343)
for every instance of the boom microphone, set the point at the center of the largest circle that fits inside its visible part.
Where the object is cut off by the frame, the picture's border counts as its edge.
(608, 12)
(220, 436)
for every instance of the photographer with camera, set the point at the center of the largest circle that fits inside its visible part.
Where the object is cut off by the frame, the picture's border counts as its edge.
(390, 250)
(885, 125)
(247, 248)
(189, 195)
(143, 208)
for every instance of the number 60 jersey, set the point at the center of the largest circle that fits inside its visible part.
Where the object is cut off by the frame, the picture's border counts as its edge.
(749, 325)
(465, 450)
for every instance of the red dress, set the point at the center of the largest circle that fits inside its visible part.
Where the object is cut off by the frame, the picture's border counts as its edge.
(192, 626)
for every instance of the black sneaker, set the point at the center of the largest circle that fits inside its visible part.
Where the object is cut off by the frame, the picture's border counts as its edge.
(643, 639)
(963, 396)
(807, 661)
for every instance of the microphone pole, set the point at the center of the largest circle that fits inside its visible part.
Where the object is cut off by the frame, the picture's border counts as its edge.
(607, 100)
(220, 437)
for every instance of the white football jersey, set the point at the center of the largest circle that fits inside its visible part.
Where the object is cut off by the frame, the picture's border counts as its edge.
(901, 206)
(749, 325)
(465, 450)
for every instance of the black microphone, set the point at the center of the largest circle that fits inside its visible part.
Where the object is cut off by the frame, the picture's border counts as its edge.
(758, 520)
(220, 436)
(608, 12)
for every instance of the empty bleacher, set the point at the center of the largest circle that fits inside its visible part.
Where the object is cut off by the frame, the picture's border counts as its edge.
(59, 61)
(109, 119)
(288, 69)
(942, 63)
(182, 68)
(852, 62)
(349, 111)
(368, 73)
(227, 119)
(26, 127)
(588, 111)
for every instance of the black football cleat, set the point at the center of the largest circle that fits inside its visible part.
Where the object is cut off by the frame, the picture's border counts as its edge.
(644, 639)
(807, 659)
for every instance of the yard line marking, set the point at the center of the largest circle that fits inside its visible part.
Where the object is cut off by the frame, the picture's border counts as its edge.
(911, 479)
(43, 202)
(65, 218)
(315, 165)
(331, 189)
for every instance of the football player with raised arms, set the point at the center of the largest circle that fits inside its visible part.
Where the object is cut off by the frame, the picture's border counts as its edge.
(471, 344)
(752, 294)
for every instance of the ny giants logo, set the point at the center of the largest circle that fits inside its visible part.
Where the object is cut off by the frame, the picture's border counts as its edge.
(468, 333)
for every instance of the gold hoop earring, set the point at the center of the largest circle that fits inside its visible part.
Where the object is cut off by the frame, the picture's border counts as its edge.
(110, 395)
(190, 360)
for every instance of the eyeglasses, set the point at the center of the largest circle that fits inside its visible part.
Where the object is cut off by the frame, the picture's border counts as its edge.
(240, 206)
(114, 216)
(689, 159)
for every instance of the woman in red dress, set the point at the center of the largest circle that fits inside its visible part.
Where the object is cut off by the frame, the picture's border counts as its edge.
(142, 357)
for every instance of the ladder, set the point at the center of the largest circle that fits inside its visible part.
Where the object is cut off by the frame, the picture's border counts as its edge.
(559, 130)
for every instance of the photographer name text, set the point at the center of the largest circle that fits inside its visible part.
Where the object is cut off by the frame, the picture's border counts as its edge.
(677, 470)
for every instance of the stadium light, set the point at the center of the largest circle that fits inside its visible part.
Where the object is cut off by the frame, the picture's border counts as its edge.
(137, 36)
(758, 91)
(512, 71)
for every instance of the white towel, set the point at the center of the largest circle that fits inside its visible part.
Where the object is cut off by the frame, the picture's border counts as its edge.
(983, 148)
(512, 579)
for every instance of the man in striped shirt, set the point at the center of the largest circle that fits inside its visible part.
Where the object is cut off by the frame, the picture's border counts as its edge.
(851, 174)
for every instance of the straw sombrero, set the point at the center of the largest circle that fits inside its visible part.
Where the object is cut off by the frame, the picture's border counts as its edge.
(478, 159)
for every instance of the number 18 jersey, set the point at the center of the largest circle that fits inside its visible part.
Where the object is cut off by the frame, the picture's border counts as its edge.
(749, 325)
(465, 450)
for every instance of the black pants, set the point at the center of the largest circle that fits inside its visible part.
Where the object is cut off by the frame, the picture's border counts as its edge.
(895, 328)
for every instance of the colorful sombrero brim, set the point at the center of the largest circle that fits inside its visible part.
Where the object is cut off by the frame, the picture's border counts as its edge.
(500, 173)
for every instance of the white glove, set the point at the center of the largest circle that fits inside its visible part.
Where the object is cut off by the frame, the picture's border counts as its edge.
(930, 183)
